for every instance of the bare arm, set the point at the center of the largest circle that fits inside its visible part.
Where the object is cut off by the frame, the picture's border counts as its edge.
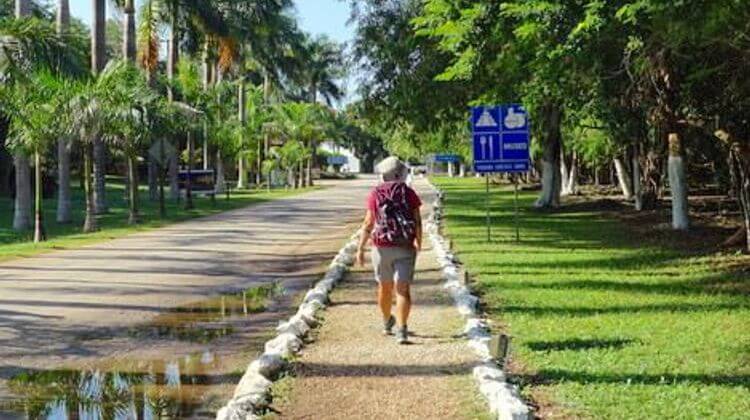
(367, 225)
(418, 230)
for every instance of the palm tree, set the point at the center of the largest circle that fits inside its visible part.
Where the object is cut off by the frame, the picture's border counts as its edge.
(98, 61)
(128, 30)
(28, 46)
(128, 107)
(63, 145)
(22, 208)
(35, 124)
(88, 117)
(324, 63)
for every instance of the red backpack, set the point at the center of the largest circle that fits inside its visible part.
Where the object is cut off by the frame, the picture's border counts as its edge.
(394, 221)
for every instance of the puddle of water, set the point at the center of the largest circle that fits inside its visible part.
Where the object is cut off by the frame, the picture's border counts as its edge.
(207, 320)
(173, 388)
(169, 389)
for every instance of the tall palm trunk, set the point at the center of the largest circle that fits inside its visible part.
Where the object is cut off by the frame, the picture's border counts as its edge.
(98, 61)
(89, 225)
(63, 180)
(242, 111)
(207, 77)
(220, 178)
(173, 58)
(188, 182)
(39, 235)
(63, 152)
(133, 190)
(128, 31)
(23, 8)
(313, 151)
(22, 211)
(262, 151)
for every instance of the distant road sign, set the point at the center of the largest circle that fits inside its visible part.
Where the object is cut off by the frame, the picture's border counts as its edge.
(448, 158)
(501, 138)
(338, 160)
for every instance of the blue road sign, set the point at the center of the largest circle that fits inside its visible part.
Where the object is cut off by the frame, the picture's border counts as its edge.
(337, 160)
(485, 119)
(448, 158)
(501, 138)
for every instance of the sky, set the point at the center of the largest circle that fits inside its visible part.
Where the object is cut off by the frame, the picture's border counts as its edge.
(315, 16)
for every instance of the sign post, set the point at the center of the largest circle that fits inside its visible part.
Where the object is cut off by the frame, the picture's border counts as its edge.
(501, 145)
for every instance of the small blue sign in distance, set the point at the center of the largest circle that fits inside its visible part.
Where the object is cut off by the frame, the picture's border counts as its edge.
(448, 158)
(337, 160)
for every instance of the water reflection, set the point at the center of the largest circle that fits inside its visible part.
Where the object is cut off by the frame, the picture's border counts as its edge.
(153, 390)
(206, 321)
(176, 387)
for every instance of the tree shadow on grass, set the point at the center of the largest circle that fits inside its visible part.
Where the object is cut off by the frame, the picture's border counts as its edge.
(579, 344)
(555, 376)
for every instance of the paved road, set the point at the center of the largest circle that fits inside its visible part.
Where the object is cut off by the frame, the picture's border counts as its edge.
(50, 304)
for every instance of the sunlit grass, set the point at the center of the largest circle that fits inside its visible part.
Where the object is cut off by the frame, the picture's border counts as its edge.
(605, 323)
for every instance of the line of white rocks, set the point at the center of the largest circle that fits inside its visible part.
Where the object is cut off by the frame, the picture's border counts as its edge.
(503, 397)
(252, 394)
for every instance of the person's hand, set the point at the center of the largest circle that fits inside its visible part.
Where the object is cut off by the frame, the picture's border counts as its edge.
(361, 257)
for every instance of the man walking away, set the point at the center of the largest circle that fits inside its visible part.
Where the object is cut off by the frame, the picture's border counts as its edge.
(394, 224)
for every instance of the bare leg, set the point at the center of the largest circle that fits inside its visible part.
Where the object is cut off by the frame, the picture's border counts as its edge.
(385, 298)
(403, 303)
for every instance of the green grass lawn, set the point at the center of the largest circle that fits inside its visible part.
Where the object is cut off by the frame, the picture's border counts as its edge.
(607, 323)
(114, 224)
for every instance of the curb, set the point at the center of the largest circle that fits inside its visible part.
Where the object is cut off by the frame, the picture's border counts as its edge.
(503, 397)
(252, 394)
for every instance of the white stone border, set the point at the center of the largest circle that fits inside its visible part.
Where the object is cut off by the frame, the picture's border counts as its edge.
(252, 393)
(503, 397)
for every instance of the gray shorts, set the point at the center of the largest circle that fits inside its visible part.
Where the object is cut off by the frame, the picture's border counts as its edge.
(394, 264)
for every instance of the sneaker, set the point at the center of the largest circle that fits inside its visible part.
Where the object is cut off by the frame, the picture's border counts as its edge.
(388, 325)
(402, 335)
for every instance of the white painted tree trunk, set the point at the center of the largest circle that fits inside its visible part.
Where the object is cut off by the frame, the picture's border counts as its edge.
(564, 174)
(241, 174)
(22, 210)
(451, 171)
(678, 184)
(63, 182)
(462, 170)
(572, 181)
(624, 178)
(551, 185)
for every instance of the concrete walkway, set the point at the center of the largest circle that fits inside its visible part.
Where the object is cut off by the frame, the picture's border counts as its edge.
(73, 307)
(353, 371)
